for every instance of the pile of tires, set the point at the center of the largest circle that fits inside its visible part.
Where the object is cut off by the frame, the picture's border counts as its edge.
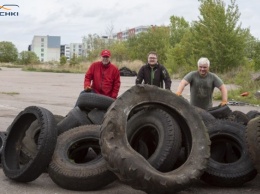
(148, 138)
(224, 112)
(234, 147)
(124, 71)
(29, 145)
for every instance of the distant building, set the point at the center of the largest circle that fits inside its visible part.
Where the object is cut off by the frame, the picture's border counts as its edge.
(65, 51)
(88, 43)
(92, 42)
(47, 48)
(76, 49)
(124, 35)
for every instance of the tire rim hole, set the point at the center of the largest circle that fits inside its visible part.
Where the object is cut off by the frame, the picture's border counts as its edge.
(225, 149)
(84, 151)
(145, 141)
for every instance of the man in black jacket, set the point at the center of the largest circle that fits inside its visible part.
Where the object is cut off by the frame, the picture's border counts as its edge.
(154, 73)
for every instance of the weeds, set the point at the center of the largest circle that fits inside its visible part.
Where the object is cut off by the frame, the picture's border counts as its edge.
(242, 77)
(10, 93)
(79, 68)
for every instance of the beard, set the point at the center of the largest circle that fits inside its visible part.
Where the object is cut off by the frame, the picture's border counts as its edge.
(152, 65)
(105, 63)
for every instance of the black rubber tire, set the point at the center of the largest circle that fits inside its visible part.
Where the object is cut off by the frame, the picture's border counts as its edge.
(253, 141)
(229, 164)
(208, 119)
(134, 169)
(252, 114)
(75, 166)
(46, 144)
(89, 100)
(75, 118)
(185, 130)
(3, 135)
(239, 117)
(206, 116)
(29, 143)
(220, 112)
(157, 136)
(96, 116)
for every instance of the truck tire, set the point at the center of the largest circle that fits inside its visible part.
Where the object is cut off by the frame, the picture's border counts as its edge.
(253, 141)
(134, 169)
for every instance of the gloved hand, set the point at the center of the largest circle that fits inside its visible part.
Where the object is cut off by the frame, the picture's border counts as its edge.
(88, 89)
(178, 93)
(223, 103)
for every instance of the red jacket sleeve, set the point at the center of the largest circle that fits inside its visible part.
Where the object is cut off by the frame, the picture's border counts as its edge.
(89, 76)
(116, 84)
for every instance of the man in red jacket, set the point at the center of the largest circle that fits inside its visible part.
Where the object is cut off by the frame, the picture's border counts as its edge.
(103, 77)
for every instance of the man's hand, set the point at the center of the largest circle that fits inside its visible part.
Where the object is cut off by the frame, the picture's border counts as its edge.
(178, 93)
(88, 89)
(223, 103)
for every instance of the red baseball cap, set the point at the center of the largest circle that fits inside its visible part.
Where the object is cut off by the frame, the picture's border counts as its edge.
(105, 53)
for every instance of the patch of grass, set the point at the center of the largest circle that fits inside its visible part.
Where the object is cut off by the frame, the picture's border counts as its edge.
(242, 77)
(10, 93)
(47, 70)
(10, 65)
(79, 68)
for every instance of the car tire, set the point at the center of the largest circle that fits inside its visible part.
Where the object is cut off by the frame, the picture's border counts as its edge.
(77, 163)
(12, 167)
(90, 100)
(76, 117)
(229, 164)
(158, 134)
(220, 112)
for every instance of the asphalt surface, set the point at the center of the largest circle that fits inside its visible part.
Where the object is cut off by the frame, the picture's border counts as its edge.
(58, 93)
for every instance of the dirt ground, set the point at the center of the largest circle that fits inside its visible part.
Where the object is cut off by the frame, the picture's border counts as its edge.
(58, 93)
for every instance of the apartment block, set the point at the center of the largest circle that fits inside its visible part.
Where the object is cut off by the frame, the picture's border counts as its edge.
(47, 48)
(65, 50)
(124, 35)
(76, 49)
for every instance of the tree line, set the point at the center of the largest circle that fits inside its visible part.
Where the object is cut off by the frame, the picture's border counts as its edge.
(217, 35)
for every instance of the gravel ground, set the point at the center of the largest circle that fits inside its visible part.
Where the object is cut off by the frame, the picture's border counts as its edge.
(58, 93)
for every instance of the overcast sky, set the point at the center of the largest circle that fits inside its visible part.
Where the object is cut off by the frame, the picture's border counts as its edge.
(71, 20)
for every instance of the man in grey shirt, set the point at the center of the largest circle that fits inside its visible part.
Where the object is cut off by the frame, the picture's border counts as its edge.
(202, 84)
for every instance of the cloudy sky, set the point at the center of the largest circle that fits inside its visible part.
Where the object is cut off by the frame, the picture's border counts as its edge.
(71, 20)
